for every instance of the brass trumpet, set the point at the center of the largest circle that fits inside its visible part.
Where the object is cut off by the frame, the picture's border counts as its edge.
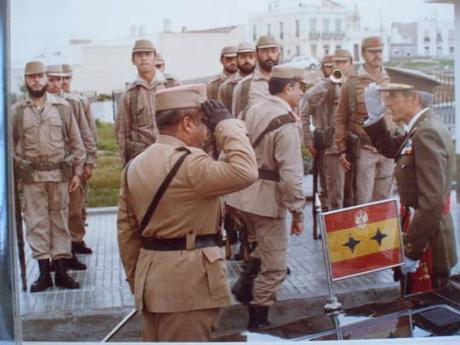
(337, 76)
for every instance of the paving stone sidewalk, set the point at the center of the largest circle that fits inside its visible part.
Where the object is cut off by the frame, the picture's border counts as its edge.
(104, 286)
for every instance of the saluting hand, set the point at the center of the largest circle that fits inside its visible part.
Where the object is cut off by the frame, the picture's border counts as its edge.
(215, 112)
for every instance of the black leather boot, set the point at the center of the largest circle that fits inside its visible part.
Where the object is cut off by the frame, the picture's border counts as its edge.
(242, 289)
(62, 278)
(44, 280)
(75, 264)
(258, 317)
(81, 248)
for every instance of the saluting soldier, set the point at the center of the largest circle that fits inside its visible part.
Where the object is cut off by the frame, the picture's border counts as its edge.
(160, 64)
(254, 87)
(228, 61)
(174, 265)
(275, 135)
(49, 157)
(78, 199)
(373, 171)
(246, 61)
(55, 75)
(135, 125)
(425, 161)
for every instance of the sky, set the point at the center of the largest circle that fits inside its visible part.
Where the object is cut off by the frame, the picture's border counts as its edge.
(47, 25)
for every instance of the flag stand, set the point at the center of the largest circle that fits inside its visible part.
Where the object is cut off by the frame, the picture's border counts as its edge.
(332, 303)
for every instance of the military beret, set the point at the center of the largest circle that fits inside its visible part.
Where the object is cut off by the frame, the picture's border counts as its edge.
(328, 61)
(180, 97)
(55, 71)
(372, 43)
(143, 46)
(286, 72)
(342, 55)
(67, 69)
(266, 42)
(34, 67)
(245, 47)
(229, 51)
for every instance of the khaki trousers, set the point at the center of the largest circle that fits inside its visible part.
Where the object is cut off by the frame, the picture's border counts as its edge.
(374, 176)
(196, 325)
(77, 212)
(272, 243)
(335, 181)
(46, 207)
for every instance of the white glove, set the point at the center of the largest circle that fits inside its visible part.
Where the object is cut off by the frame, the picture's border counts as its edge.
(409, 266)
(374, 104)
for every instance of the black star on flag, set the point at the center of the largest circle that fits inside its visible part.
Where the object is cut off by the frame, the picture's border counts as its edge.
(379, 236)
(351, 243)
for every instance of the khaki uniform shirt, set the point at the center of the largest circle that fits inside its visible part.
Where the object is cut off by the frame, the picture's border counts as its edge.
(135, 132)
(279, 150)
(175, 281)
(347, 122)
(86, 135)
(212, 87)
(88, 114)
(258, 90)
(424, 168)
(43, 137)
(225, 93)
(319, 106)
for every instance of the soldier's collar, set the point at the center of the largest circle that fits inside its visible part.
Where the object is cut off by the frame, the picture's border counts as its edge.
(170, 140)
(414, 120)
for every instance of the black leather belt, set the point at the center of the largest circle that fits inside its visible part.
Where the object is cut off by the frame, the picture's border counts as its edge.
(269, 175)
(180, 243)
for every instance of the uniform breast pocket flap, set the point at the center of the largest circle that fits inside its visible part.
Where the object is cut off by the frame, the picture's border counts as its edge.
(56, 130)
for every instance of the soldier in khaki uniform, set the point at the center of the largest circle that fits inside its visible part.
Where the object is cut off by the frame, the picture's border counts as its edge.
(78, 199)
(263, 206)
(135, 125)
(160, 64)
(373, 172)
(55, 74)
(424, 168)
(48, 157)
(228, 61)
(174, 267)
(246, 61)
(255, 86)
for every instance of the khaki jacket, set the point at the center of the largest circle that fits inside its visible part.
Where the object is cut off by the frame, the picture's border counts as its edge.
(424, 167)
(319, 107)
(225, 93)
(174, 281)
(279, 151)
(88, 114)
(44, 138)
(258, 90)
(347, 122)
(86, 135)
(135, 132)
(212, 88)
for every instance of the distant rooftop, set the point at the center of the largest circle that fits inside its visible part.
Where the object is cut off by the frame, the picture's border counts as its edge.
(224, 29)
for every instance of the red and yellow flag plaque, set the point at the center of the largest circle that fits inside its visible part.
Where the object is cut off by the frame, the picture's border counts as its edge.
(363, 239)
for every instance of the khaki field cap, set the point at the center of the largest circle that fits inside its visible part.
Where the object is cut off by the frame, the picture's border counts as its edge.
(159, 59)
(143, 46)
(372, 43)
(229, 51)
(34, 67)
(55, 71)
(246, 47)
(67, 70)
(285, 72)
(342, 55)
(266, 42)
(188, 96)
(328, 61)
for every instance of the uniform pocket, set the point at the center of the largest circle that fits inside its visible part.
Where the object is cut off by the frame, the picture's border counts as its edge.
(56, 130)
(215, 273)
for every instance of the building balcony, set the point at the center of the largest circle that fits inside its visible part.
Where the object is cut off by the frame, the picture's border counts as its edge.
(314, 35)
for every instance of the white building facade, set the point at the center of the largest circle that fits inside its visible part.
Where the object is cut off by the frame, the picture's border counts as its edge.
(308, 27)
